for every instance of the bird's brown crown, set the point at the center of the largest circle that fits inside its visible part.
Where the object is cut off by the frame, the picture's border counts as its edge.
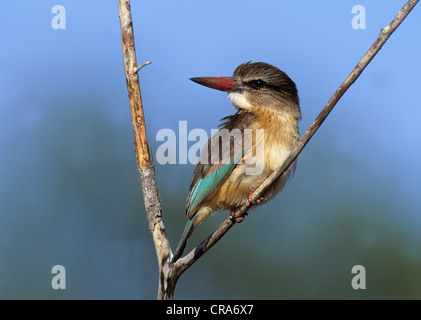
(266, 85)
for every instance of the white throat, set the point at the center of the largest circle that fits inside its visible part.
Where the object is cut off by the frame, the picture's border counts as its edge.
(239, 100)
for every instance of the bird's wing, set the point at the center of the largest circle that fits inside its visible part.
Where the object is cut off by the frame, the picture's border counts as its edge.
(206, 186)
(218, 158)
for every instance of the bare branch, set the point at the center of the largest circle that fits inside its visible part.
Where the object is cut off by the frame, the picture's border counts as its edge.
(144, 162)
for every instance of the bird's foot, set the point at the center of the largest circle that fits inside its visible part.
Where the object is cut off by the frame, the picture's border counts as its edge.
(257, 201)
(238, 219)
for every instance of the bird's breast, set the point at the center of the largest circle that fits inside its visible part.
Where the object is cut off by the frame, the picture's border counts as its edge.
(273, 137)
(279, 135)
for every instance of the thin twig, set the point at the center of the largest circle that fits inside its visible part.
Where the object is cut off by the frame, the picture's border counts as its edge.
(136, 69)
(184, 263)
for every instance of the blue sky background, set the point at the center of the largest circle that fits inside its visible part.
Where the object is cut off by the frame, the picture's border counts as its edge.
(69, 190)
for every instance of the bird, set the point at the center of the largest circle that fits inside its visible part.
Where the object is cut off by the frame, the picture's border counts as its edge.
(249, 145)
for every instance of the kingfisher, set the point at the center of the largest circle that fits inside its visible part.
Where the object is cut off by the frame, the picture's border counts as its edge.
(249, 145)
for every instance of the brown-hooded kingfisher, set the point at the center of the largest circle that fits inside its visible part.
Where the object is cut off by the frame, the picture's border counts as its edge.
(240, 156)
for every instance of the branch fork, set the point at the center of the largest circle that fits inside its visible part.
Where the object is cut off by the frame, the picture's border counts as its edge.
(137, 69)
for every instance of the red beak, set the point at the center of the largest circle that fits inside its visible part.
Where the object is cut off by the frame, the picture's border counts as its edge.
(218, 83)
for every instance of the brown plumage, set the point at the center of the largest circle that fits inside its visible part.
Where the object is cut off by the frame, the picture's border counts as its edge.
(266, 98)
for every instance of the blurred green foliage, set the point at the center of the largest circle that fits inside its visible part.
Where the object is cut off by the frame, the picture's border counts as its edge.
(70, 195)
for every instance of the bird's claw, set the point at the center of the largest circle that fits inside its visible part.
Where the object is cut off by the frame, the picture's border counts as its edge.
(238, 219)
(257, 201)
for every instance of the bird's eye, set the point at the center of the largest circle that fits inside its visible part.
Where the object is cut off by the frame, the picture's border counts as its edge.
(257, 84)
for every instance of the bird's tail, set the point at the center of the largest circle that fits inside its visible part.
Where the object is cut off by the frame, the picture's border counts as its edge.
(188, 229)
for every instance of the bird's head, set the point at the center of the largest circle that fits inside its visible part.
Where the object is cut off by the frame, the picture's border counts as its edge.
(257, 84)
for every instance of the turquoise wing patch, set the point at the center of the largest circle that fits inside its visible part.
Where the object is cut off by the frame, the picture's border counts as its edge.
(205, 186)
